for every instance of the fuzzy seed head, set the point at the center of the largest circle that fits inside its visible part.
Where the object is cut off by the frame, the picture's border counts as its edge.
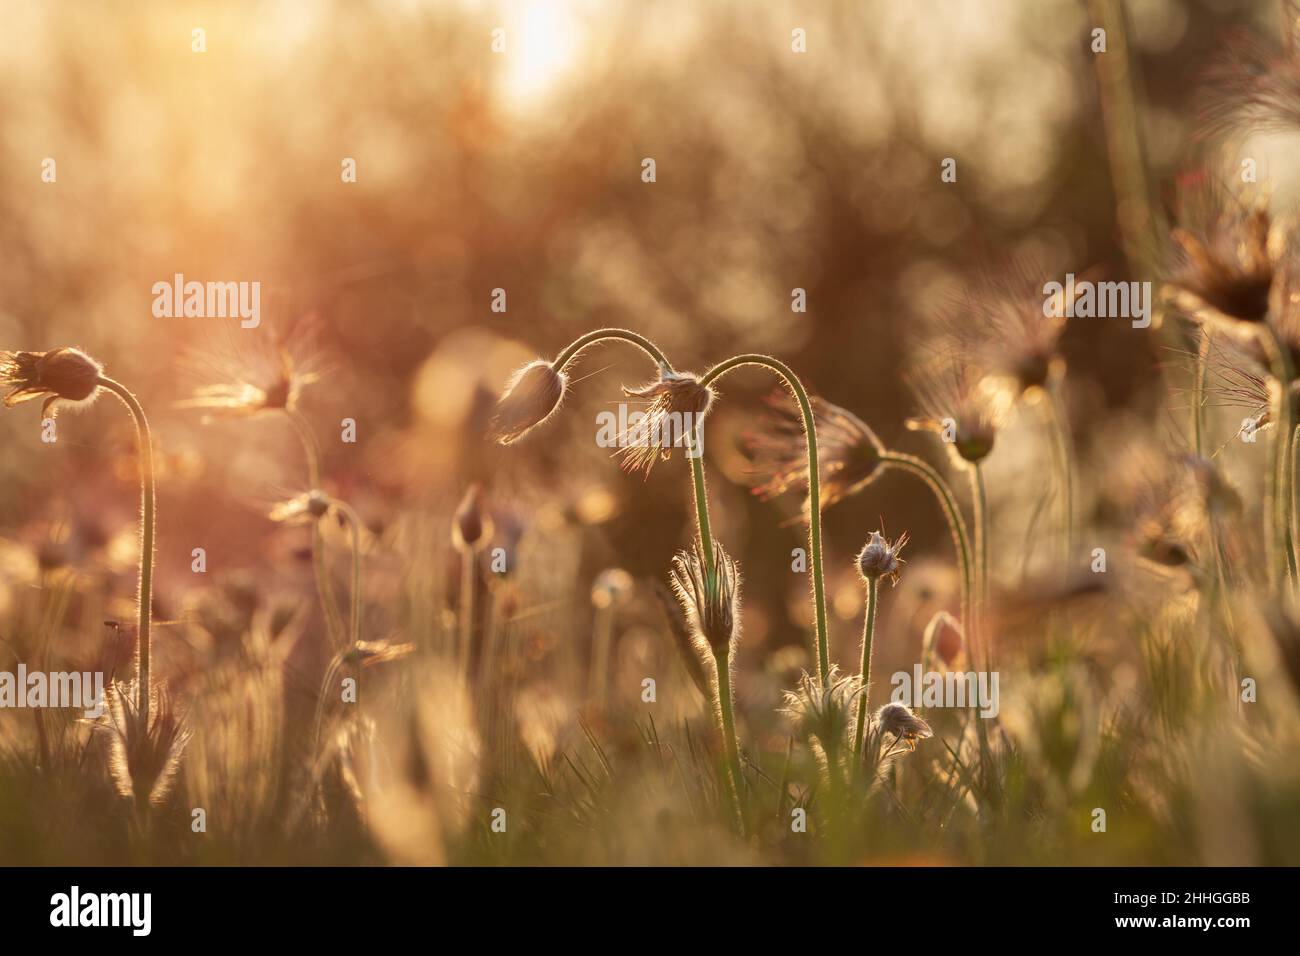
(850, 456)
(879, 558)
(279, 389)
(531, 397)
(961, 404)
(1254, 84)
(997, 325)
(677, 404)
(898, 721)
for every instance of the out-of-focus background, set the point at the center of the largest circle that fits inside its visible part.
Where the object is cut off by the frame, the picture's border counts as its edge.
(521, 170)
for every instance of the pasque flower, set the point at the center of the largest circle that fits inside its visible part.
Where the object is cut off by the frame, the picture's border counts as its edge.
(60, 375)
(677, 404)
(879, 557)
(530, 398)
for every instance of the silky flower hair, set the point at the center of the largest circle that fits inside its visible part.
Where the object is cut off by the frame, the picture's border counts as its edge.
(533, 395)
(711, 607)
(66, 375)
(850, 454)
(879, 557)
(677, 404)
(959, 404)
(1229, 252)
(898, 721)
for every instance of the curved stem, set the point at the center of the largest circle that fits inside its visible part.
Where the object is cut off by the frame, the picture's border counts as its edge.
(624, 335)
(868, 631)
(814, 488)
(324, 586)
(148, 513)
(956, 524)
(727, 720)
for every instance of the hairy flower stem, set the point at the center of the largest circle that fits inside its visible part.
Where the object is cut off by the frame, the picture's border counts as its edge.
(726, 717)
(956, 523)
(868, 630)
(727, 720)
(571, 351)
(696, 456)
(814, 488)
(721, 658)
(1278, 510)
(148, 513)
(324, 586)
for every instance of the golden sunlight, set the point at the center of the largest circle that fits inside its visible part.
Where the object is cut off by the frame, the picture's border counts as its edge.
(539, 45)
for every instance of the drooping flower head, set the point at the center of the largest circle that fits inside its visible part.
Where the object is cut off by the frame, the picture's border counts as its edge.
(60, 375)
(1165, 500)
(897, 720)
(249, 382)
(960, 404)
(675, 410)
(530, 398)
(1229, 256)
(1002, 325)
(849, 453)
